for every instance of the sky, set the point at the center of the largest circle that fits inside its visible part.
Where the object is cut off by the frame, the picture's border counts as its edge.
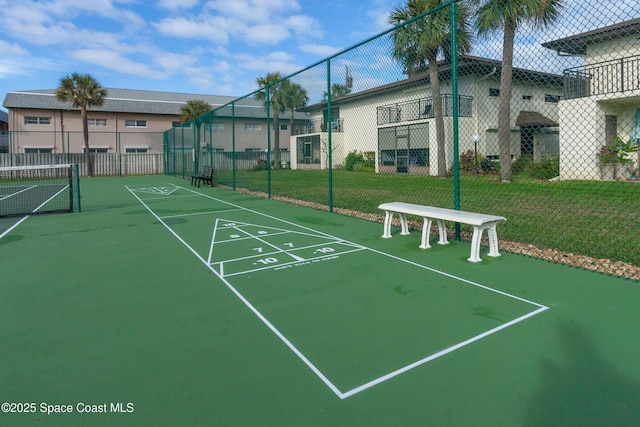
(214, 47)
(192, 46)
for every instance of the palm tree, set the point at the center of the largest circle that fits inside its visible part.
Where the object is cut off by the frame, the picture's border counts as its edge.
(275, 106)
(192, 110)
(424, 40)
(294, 96)
(337, 90)
(83, 91)
(491, 16)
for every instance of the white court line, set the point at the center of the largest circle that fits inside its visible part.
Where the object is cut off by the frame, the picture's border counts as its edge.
(239, 273)
(278, 251)
(7, 231)
(197, 213)
(239, 239)
(164, 196)
(248, 304)
(282, 251)
(33, 211)
(323, 378)
(17, 192)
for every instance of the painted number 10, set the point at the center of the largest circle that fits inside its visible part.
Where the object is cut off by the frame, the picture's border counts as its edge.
(266, 261)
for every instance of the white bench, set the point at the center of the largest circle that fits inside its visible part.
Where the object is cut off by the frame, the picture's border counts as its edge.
(480, 222)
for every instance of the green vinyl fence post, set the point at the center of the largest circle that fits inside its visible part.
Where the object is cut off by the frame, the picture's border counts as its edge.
(233, 143)
(454, 93)
(328, 124)
(76, 183)
(267, 97)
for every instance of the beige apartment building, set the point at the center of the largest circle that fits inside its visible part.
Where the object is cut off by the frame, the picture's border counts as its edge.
(130, 121)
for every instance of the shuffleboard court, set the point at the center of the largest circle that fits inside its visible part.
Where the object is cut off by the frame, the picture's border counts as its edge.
(356, 316)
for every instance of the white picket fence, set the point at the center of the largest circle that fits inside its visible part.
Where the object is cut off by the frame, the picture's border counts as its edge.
(104, 164)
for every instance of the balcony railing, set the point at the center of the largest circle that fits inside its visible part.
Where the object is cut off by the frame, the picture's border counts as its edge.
(422, 109)
(620, 75)
(317, 126)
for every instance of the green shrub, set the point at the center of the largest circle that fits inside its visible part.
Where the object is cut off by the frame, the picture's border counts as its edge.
(355, 162)
(522, 164)
(546, 169)
(261, 165)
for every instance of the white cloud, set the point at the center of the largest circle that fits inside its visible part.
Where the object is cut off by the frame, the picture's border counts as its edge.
(271, 62)
(253, 10)
(210, 28)
(115, 61)
(178, 5)
(265, 34)
(319, 49)
(11, 49)
(302, 24)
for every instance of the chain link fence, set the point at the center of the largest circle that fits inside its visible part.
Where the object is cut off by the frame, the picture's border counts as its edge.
(534, 116)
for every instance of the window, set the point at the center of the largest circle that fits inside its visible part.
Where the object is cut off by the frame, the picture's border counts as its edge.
(527, 97)
(249, 126)
(136, 149)
(180, 125)
(97, 122)
(404, 149)
(252, 150)
(214, 126)
(38, 150)
(494, 92)
(31, 120)
(135, 123)
(97, 149)
(554, 99)
(284, 127)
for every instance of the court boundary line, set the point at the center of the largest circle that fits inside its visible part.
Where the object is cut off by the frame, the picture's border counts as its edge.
(343, 395)
(246, 302)
(8, 230)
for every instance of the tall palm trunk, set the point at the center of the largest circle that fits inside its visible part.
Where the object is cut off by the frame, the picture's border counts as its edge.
(438, 117)
(276, 142)
(504, 113)
(85, 131)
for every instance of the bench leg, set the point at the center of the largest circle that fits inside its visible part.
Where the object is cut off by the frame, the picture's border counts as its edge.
(493, 241)
(442, 232)
(426, 231)
(475, 244)
(403, 224)
(388, 216)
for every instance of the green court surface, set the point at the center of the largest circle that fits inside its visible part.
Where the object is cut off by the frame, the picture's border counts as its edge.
(166, 304)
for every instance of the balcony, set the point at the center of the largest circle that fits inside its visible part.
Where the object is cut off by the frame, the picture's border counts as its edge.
(422, 109)
(617, 76)
(318, 126)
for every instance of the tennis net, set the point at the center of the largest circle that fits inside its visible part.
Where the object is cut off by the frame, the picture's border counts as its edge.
(28, 190)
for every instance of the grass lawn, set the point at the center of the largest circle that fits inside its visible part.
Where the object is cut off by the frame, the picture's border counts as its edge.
(594, 218)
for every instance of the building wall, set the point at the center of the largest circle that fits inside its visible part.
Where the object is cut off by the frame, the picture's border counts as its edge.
(116, 132)
(582, 120)
(361, 128)
(613, 49)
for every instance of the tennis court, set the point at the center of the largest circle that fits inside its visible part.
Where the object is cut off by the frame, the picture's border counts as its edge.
(175, 305)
